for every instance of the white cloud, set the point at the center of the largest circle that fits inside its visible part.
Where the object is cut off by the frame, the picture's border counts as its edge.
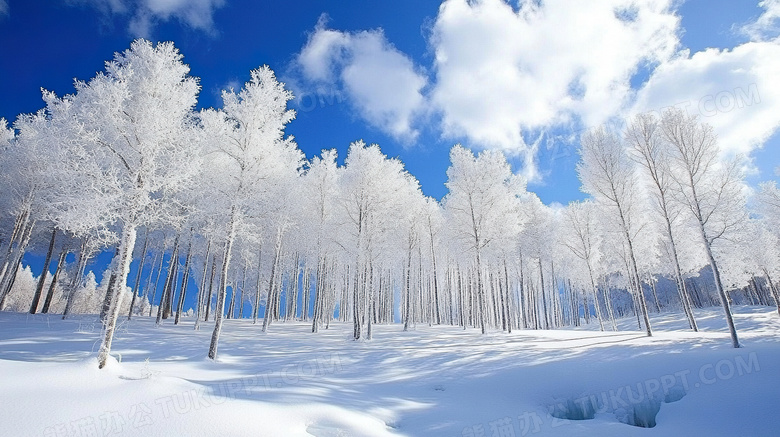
(734, 90)
(322, 52)
(767, 26)
(383, 84)
(145, 14)
(502, 72)
(507, 73)
(3, 8)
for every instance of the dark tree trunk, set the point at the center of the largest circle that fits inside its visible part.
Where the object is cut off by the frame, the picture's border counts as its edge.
(42, 279)
(53, 285)
(138, 275)
(185, 282)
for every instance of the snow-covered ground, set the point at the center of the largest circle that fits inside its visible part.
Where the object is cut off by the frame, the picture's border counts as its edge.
(432, 381)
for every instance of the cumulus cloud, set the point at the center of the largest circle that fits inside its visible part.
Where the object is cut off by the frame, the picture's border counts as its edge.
(3, 8)
(504, 72)
(510, 74)
(732, 90)
(382, 83)
(145, 14)
(767, 26)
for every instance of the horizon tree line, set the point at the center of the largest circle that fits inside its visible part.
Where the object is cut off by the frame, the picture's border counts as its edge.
(221, 205)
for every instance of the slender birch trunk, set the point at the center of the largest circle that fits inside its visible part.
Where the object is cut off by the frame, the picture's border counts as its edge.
(10, 276)
(256, 309)
(772, 288)
(184, 282)
(270, 304)
(202, 287)
(42, 278)
(76, 280)
(138, 275)
(123, 269)
(231, 236)
(53, 285)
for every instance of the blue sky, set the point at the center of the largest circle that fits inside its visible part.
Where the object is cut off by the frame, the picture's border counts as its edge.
(417, 76)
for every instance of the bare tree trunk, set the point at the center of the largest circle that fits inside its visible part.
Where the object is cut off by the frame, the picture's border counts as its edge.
(408, 290)
(53, 285)
(256, 309)
(544, 295)
(163, 311)
(608, 302)
(223, 284)
(586, 308)
(370, 317)
(232, 305)
(481, 295)
(509, 318)
(19, 225)
(307, 294)
(772, 288)
(42, 279)
(596, 303)
(138, 275)
(10, 264)
(122, 269)
(435, 281)
(523, 294)
(722, 294)
(319, 297)
(640, 293)
(76, 280)
(185, 281)
(459, 290)
(211, 286)
(10, 276)
(110, 288)
(356, 326)
(655, 295)
(202, 288)
(173, 280)
(575, 305)
(292, 291)
(272, 298)
(243, 287)
(156, 283)
(685, 299)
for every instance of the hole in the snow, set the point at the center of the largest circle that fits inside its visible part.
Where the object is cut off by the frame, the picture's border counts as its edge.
(674, 394)
(633, 405)
(574, 409)
(641, 414)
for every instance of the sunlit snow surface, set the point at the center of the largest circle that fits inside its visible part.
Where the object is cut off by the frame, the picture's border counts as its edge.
(432, 381)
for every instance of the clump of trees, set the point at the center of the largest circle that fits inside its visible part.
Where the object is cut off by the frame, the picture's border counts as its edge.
(220, 205)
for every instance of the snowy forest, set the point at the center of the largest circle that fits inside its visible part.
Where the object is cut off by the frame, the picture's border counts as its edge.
(219, 207)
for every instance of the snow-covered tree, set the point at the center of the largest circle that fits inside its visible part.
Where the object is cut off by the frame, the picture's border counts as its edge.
(768, 204)
(647, 143)
(246, 151)
(320, 188)
(374, 199)
(126, 138)
(608, 175)
(25, 173)
(481, 208)
(582, 239)
(710, 189)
